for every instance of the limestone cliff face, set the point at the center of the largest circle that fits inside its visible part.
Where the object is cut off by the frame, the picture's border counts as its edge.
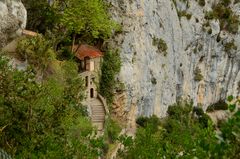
(154, 81)
(13, 16)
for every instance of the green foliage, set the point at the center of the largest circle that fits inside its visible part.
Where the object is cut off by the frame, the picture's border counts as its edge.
(230, 133)
(220, 105)
(230, 98)
(236, 1)
(149, 122)
(161, 45)
(228, 20)
(110, 68)
(67, 21)
(154, 80)
(87, 17)
(37, 51)
(44, 120)
(225, 2)
(197, 74)
(230, 46)
(112, 130)
(185, 133)
(180, 135)
(41, 17)
(201, 3)
(184, 14)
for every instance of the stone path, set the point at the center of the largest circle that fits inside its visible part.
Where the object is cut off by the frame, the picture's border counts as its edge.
(98, 113)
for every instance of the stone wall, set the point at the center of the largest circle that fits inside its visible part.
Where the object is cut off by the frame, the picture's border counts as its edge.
(13, 18)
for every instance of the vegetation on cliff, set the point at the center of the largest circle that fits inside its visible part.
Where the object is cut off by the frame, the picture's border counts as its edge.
(44, 120)
(42, 112)
(187, 132)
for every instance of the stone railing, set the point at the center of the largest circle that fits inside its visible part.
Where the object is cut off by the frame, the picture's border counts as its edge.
(103, 100)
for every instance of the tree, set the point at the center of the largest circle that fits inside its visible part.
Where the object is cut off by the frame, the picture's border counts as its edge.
(44, 120)
(180, 135)
(37, 51)
(88, 18)
(110, 68)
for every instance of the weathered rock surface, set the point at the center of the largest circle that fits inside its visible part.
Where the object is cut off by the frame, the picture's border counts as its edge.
(154, 81)
(13, 17)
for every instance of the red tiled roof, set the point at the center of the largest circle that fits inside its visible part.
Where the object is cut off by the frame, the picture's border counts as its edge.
(83, 51)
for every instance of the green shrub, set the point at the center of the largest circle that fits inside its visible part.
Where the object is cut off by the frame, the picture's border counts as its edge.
(161, 45)
(110, 67)
(197, 74)
(184, 14)
(179, 110)
(228, 20)
(144, 121)
(198, 110)
(230, 46)
(236, 1)
(112, 130)
(220, 105)
(141, 121)
(37, 51)
(44, 120)
(201, 3)
(180, 132)
(210, 31)
(185, 135)
(154, 80)
(226, 2)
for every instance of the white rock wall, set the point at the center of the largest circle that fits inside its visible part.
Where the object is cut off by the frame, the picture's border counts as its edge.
(188, 47)
(13, 17)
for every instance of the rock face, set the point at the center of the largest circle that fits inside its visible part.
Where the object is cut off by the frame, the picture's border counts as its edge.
(13, 17)
(197, 66)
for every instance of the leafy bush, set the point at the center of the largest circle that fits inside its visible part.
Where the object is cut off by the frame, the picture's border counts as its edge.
(152, 121)
(44, 120)
(220, 105)
(89, 18)
(37, 51)
(236, 1)
(228, 20)
(201, 2)
(184, 14)
(112, 130)
(179, 133)
(230, 46)
(161, 45)
(110, 68)
(197, 74)
(226, 2)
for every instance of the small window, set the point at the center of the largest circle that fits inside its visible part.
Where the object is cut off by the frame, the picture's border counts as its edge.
(91, 92)
(86, 81)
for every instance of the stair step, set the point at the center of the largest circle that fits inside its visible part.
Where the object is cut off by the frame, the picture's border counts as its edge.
(94, 110)
(98, 112)
(98, 109)
(95, 106)
(97, 120)
(98, 117)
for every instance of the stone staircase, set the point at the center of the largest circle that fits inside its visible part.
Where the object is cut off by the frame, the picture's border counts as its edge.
(97, 113)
